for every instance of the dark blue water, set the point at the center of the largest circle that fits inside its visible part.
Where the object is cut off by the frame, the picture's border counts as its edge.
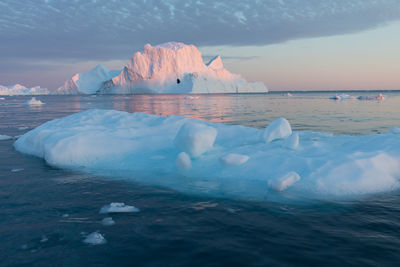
(46, 212)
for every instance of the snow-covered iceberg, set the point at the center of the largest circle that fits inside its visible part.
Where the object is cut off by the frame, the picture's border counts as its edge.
(145, 148)
(19, 89)
(176, 68)
(87, 83)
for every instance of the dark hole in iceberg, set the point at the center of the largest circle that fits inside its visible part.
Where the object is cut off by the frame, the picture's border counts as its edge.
(178, 81)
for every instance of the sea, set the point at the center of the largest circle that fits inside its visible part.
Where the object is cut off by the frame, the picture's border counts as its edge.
(46, 212)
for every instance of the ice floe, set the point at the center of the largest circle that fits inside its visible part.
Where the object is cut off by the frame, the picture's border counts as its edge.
(95, 238)
(17, 169)
(34, 102)
(116, 207)
(114, 143)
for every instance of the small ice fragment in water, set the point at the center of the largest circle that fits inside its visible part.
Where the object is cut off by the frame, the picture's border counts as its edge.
(284, 182)
(43, 239)
(278, 129)
(108, 221)
(23, 128)
(2, 98)
(65, 215)
(234, 159)
(230, 210)
(183, 161)
(95, 238)
(396, 130)
(24, 246)
(5, 137)
(204, 205)
(195, 138)
(34, 102)
(116, 207)
(292, 142)
(17, 170)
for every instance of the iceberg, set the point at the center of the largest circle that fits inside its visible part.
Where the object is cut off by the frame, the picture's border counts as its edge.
(176, 68)
(19, 89)
(88, 82)
(119, 144)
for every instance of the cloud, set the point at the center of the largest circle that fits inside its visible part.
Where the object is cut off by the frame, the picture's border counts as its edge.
(105, 29)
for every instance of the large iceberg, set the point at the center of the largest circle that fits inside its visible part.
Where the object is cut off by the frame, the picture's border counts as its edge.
(88, 82)
(221, 160)
(19, 89)
(176, 68)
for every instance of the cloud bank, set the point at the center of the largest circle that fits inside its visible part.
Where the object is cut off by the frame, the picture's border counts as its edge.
(110, 29)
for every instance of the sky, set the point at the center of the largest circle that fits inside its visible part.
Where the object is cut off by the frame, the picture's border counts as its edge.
(287, 44)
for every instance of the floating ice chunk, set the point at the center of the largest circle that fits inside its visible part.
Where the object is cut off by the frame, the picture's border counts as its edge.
(23, 128)
(284, 182)
(2, 98)
(95, 238)
(183, 161)
(234, 159)
(5, 137)
(204, 205)
(396, 130)
(17, 170)
(195, 138)
(43, 239)
(379, 97)
(116, 207)
(278, 129)
(34, 102)
(65, 215)
(292, 142)
(108, 221)
(342, 97)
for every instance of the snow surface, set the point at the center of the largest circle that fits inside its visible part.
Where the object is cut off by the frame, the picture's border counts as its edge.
(278, 129)
(114, 143)
(95, 238)
(183, 161)
(282, 183)
(5, 137)
(88, 82)
(34, 102)
(19, 89)
(116, 207)
(234, 159)
(176, 68)
(195, 138)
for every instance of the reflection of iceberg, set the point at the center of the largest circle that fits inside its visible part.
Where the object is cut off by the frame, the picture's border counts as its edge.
(115, 143)
(379, 97)
(34, 102)
(341, 97)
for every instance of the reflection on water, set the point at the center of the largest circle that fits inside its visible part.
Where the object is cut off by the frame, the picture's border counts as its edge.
(305, 111)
